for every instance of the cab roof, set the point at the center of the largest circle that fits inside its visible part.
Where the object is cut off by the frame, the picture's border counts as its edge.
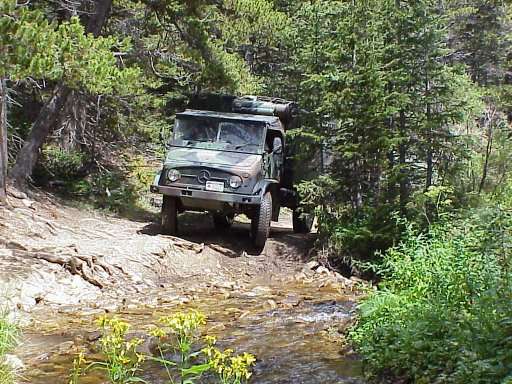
(270, 120)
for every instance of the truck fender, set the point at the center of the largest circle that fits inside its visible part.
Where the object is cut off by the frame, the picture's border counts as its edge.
(263, 186)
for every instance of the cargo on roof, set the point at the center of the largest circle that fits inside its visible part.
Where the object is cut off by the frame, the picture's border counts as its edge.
(246, 106)
(228, 116)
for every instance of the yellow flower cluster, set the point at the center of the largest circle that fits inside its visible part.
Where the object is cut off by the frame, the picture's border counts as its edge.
(113, 341)
(184, 323)
(231, 369)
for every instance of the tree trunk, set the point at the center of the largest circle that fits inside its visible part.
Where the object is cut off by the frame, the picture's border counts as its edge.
(73, 121)
(74, 115)
(402, 149)
(430, 149)
(3, 141)
(97, 21)
(488, 151)
(27, 157)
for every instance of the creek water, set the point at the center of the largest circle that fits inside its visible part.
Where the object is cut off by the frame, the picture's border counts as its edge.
(294, 329)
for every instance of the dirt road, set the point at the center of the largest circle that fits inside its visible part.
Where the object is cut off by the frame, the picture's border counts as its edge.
(53, 255)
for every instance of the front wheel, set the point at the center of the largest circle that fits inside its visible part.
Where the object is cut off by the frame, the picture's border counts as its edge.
(302, 222)
(260, 223)
(169, 215)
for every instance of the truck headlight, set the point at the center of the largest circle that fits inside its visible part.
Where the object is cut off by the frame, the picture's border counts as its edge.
(173, 175)
(235, 182)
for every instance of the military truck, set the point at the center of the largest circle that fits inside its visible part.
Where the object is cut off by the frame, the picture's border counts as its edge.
(229, 160)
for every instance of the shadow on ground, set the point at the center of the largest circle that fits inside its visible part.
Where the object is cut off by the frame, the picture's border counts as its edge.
(234, 242)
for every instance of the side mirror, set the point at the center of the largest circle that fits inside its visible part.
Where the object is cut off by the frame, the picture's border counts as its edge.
(277, 145)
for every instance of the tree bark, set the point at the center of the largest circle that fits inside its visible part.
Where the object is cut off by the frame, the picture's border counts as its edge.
(74, 115)
(3, 141)
(402, 149)
(488, 151)
(49, 114)
(27, 157)
(98, 20)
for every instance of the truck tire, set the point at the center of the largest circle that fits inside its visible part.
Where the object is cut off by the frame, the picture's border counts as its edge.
(169, 215)
(222, 221)
(260, 223)
(302, 222)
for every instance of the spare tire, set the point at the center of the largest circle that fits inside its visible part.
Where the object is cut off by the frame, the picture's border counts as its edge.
(302, 222)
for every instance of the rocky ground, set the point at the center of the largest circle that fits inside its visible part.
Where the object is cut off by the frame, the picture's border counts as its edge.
(61, 267)
(56, 255)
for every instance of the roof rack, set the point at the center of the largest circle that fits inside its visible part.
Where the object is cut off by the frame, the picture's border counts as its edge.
(286, 111)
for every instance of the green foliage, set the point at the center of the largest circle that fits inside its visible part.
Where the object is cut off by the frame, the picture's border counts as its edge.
(121, 360)
(179, 333)
(442, 312)
(62, 164)
(9, 334)
(32, 46)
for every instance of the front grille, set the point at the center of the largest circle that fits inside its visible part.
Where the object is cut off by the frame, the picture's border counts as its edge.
(196, 176)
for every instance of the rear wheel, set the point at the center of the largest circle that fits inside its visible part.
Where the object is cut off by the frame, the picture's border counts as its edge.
(260, 223)
(302, 222)
(222, 221)
(169, 215)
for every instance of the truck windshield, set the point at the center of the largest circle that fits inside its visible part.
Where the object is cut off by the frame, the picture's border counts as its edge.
(221, 135)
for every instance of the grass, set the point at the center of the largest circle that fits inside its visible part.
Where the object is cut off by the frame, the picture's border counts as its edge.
(8, 340)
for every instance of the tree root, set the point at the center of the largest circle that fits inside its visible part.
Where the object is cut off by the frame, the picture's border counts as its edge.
(82, 266)
(187, 245)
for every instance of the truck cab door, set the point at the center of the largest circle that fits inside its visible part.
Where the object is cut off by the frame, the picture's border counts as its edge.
(274, 155)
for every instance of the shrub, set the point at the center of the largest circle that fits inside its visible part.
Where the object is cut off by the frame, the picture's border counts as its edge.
(60, 164)
(442, 313)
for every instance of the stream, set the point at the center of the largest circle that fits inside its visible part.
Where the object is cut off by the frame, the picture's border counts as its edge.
(294, 329)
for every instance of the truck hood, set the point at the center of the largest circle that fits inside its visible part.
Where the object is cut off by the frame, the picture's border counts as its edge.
(208, 157)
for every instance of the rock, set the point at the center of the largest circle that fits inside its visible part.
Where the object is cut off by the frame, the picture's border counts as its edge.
(356, 279)
(312, 265)
(16, 245)
(93, 336)
(27, 203)
(291, 301)
(14, 362)
(342, 279)
(271, 303)
(259, 291)
(322, 271)
(18, 194)
(302, 276)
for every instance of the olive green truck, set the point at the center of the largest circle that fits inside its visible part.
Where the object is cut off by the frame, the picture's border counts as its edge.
(232, 161)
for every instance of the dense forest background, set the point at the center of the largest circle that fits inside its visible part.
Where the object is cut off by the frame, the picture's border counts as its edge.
(410, 100)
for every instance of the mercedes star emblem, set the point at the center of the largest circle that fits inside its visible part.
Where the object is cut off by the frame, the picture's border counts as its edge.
(203, 176)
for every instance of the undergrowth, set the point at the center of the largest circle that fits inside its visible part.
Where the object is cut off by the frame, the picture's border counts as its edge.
(8, 340)
(121, 187)
(442, 313)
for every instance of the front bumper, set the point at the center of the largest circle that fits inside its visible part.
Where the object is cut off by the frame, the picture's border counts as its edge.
(207, 195)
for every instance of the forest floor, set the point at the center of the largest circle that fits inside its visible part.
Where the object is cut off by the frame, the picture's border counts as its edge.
(52, 255)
